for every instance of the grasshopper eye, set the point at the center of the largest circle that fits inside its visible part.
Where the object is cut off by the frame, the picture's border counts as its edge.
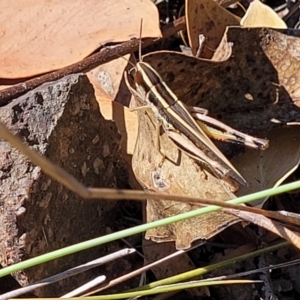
(138, 77)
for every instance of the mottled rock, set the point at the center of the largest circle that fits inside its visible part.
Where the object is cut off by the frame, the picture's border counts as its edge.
(37, 215)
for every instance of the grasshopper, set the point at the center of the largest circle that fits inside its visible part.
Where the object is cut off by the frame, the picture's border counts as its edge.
(189, 128)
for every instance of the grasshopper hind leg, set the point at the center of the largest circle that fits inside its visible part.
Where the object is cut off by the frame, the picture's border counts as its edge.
(217, 168)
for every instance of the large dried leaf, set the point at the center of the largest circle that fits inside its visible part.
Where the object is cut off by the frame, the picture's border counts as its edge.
(210, 19)
(126, 122)
(257, 85)
(110, 90)
(178, 175)
(261, 15)
(40, 36)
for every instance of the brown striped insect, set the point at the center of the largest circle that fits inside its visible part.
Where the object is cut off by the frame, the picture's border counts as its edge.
(190, 134)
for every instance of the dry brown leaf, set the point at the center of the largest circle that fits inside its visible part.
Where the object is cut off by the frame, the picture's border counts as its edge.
(272, 166)
(107, 78)
(261, 15)
(126, 121)
(113, 96)
(210, 19)
(178, 175)
(41, 36)
(257, 84)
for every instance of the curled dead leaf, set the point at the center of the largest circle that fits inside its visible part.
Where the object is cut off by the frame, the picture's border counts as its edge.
(261, 15)
(210, 19)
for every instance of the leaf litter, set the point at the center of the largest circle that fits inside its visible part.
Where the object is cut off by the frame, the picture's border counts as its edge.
(260, 77)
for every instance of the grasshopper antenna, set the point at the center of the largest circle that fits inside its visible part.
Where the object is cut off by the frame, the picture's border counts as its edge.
(140, 45)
